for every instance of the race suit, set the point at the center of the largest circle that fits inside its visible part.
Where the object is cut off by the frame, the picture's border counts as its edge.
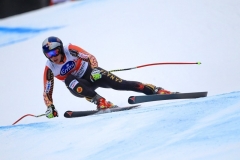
(75, 65)
(76, 72)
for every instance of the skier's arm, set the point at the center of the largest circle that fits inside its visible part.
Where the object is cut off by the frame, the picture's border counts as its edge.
(48, 82)
(81, 53)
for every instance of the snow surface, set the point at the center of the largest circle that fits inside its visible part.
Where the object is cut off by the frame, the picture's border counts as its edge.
(123, 34)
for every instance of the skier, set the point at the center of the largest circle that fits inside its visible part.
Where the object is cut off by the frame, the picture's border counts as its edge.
(82, 76)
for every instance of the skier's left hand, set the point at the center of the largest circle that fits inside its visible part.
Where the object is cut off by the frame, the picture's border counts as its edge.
(51, 112)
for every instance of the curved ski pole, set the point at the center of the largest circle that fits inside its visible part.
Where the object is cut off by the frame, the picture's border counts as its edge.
(28, 115)
(153, 64)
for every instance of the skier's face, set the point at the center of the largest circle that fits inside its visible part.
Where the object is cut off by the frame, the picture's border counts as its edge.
(56, 59)
(54, 56)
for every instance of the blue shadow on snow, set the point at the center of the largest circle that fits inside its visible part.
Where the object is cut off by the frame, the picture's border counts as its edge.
(17, 34)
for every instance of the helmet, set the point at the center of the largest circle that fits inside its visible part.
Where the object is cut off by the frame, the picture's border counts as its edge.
(52, 43)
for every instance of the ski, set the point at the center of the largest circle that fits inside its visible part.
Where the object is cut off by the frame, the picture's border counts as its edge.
(72, 114)
(157, 97)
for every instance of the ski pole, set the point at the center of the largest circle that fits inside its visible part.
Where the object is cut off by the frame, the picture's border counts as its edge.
(28, 115)
(153, 64)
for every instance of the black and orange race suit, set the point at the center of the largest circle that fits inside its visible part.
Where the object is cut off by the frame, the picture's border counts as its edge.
(76, 73)
(76, 61)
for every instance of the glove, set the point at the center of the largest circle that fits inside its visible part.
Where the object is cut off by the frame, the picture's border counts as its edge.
(95, 74)
(51, 112)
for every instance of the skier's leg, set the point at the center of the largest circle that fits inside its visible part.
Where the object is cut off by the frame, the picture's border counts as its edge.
(106, 79)
(79, 87)
(82, 88)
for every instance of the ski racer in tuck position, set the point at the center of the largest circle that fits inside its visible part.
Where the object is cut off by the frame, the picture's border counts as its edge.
(80, 72)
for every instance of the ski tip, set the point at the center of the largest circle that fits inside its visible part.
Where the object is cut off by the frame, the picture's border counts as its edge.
(131, 100)
(68, 114)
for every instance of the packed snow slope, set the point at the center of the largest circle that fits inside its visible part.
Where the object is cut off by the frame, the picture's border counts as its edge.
(206, 128)
(123, 34)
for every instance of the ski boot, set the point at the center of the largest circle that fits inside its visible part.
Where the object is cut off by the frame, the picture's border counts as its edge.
(102, 103)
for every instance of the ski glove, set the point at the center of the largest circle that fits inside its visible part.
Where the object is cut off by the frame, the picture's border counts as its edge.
(95, 74)
(51, 112)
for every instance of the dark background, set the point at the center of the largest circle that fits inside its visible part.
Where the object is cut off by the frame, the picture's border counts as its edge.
(13, 7)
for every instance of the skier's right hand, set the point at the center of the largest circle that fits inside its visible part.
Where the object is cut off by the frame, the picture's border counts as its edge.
(51, 112)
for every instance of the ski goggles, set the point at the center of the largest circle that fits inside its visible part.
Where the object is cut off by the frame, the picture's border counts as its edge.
(52, 53)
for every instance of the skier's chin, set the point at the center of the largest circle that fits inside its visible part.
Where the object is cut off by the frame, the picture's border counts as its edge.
(56, 61)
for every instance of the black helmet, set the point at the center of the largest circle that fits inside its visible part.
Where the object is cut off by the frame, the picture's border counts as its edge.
(52, 43)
